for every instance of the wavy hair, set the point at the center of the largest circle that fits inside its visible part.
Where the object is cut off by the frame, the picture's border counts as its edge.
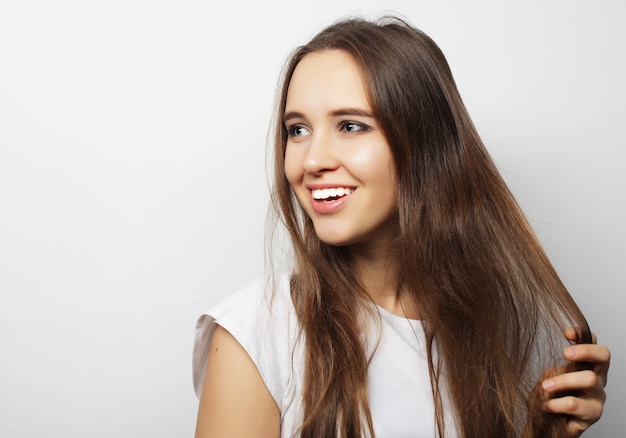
(493, 307)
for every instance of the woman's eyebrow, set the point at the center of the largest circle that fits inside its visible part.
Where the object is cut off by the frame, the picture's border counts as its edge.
(351, 112)
(334, 113)
(292, 115)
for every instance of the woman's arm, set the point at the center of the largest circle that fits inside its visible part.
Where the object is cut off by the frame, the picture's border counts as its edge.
(585, 408)
(234, 401)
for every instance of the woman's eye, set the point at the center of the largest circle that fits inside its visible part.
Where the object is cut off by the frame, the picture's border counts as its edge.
(352, 127)
(297, 131)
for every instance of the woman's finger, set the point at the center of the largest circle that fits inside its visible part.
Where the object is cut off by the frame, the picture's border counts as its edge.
(597, 355)
(583, 412)
(586, 382)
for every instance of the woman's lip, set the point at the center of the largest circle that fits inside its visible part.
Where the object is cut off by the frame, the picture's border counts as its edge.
(331, 206)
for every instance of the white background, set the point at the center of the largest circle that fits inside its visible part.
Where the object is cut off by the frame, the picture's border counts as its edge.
(133, 190)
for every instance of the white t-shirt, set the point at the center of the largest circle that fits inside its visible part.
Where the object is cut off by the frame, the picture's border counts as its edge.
(262, 319)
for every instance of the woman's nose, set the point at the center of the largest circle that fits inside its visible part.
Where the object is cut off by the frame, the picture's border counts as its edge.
(321, 155)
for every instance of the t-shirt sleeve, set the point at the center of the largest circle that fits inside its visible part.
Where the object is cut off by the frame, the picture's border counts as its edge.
(260, 317)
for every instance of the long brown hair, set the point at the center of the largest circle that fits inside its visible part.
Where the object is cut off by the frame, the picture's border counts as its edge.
(493, 307)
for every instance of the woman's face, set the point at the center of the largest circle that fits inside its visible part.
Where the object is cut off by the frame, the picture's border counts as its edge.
(337, 159)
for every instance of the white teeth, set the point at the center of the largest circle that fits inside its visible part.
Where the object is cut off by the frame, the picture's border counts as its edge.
(321, 194)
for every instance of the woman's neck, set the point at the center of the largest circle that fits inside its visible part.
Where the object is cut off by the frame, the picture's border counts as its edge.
(377, 271)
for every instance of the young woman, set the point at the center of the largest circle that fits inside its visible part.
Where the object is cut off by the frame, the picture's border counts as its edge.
(420, 302)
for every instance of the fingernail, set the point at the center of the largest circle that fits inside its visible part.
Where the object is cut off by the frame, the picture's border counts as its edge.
(548, 384)
(570, 353)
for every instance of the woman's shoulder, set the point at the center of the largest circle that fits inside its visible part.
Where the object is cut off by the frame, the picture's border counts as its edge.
(261, 317)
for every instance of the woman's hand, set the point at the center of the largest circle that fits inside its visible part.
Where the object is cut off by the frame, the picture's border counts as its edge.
(584, 385)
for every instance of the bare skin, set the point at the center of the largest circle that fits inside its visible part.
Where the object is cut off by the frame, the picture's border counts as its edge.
(373, 263)
(235, 403)
(585, 409)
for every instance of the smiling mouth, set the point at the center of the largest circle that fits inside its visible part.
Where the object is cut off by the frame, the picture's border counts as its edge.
(331, 194)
